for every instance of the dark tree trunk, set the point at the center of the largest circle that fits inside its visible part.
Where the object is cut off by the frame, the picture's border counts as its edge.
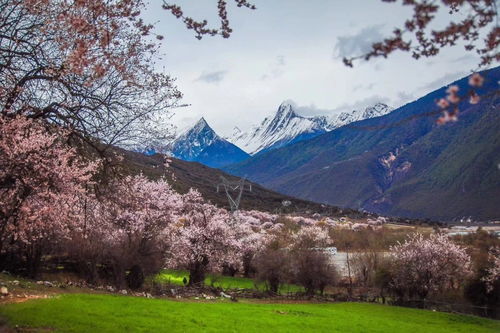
(229, 270)
(248, 270)
(135, 278)
(33, 260)
(197, 273)
(274, 285)
(119, 276)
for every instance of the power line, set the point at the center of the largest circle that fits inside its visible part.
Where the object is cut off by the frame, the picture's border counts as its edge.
(232, 186)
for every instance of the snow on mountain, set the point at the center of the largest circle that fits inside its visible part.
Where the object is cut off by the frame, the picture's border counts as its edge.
(344, 118)
(286, 126)
(200, 143)
(193, 140)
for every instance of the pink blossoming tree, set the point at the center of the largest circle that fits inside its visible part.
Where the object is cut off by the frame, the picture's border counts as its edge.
(40, 181)
(427, 265)
(127, 227)
(203, 239)
(493, 271)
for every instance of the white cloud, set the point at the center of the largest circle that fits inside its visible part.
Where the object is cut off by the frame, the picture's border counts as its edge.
(359, 43)
(212, 77)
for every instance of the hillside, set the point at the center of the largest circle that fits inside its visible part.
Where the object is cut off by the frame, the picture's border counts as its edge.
(399, 164)
(205, 179)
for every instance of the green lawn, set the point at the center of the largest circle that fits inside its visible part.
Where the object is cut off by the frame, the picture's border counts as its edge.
(113, 313)
(225, 282)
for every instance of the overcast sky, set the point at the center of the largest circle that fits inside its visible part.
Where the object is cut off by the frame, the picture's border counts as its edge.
(292, 49)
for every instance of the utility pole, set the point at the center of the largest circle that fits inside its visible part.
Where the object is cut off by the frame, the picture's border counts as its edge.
(232, 186)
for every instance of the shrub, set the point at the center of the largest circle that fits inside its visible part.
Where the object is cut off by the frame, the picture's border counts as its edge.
(364, 265)
(314, 270)
(135, 277)
(273, 268)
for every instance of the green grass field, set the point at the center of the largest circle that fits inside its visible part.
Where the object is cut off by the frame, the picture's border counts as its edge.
(112, 313)
(225, 282)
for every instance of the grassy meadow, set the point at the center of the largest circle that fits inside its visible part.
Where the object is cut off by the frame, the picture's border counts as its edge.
(176, 277)
(113, 313)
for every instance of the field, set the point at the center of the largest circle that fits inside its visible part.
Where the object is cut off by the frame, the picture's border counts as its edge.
(112, 313)
(176, 277)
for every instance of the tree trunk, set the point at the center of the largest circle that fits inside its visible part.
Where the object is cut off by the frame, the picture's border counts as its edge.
(274, 285)
(349, 290)
(33, 260)
(197, 274)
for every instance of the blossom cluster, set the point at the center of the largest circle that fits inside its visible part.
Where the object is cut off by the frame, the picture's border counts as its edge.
(449, 105)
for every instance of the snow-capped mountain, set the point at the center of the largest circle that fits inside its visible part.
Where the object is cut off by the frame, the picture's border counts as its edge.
(200, 143)
(344, 118)
(286, 126)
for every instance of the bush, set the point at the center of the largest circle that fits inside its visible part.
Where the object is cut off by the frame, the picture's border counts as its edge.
(364, 266)
(314, 270)
(273, 268)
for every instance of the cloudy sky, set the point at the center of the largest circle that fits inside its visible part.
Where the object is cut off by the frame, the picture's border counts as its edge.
(292, 49)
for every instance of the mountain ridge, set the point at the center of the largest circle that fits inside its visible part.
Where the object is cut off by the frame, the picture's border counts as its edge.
(395, 164)
(286, 126)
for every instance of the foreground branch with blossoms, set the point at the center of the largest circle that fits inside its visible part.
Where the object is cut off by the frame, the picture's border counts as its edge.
(475, 25)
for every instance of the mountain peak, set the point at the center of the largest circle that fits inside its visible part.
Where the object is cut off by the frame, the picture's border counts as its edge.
(200, 143)
(286, 109)
(379, 109)
(288, 103)
(285, 126)
(200, 124)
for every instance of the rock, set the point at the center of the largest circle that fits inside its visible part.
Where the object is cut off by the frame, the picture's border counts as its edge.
(4, 291)
(123, 292)
(223, 294)
(39, 282)
(196, 297)
(15, 282)
(110, 289)
(48, 284)
(148, 295)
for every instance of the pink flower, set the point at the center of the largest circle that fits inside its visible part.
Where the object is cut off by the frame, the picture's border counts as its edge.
(474, 98)
(476, 80)
(443, 103)
(453, 98)
(452, 89)
(447, 117)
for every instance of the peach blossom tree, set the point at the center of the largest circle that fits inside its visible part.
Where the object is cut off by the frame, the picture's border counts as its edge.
(423, 266)
(203, 239)
(40, 181)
